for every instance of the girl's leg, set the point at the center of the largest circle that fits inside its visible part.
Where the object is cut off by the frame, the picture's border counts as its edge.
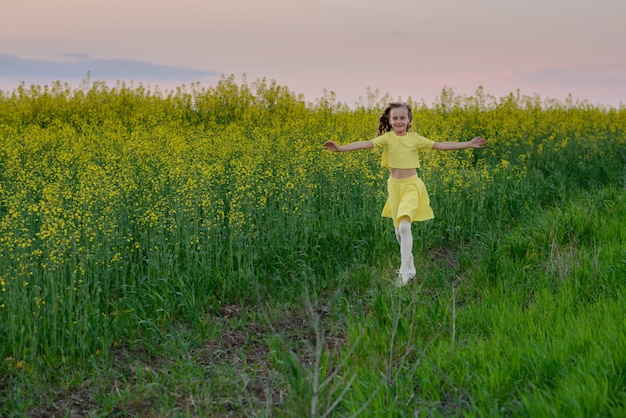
(405, 239)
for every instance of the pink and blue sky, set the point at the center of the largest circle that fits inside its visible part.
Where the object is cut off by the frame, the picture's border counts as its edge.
(407, 48)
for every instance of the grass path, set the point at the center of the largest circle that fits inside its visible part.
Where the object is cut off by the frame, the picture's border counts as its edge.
(525, 323)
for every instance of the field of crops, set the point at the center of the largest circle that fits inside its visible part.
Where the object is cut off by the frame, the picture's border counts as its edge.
(198, 253)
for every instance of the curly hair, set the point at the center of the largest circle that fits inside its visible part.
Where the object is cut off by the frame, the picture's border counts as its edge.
(383, 122)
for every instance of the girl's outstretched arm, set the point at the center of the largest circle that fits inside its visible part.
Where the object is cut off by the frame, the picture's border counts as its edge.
(330, 145)
(477, 142)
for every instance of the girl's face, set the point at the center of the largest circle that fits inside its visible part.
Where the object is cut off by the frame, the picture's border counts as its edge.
(399, 120)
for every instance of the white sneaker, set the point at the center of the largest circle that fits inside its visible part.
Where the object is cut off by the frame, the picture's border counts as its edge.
(403, 279)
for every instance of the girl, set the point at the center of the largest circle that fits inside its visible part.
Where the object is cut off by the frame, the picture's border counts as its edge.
(407, 196)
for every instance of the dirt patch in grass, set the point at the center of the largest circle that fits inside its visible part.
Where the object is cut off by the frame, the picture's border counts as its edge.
(447, 256)
(247, 349)
(241, 357)
(73, 404)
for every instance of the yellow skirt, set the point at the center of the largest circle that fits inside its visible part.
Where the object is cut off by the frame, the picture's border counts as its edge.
(407, 197)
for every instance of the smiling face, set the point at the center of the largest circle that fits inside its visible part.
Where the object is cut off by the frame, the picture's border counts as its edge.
(399, 120)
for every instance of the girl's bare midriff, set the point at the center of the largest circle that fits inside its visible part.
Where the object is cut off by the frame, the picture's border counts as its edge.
(402, 173)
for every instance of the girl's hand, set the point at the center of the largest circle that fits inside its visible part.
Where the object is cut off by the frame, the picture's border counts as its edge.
(330, 145)
(478, 142)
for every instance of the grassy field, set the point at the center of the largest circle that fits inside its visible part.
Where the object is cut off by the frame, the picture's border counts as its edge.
(198, 253)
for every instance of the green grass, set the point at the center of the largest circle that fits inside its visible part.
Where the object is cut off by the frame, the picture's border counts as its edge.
(541, 334)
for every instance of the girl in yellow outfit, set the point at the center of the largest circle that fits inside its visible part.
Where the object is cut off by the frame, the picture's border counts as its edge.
(407, 196)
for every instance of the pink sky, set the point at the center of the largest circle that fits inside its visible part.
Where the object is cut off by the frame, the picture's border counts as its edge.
(407, 48)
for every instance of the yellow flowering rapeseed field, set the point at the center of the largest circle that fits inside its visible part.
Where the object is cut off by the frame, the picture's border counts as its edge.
(125, 210)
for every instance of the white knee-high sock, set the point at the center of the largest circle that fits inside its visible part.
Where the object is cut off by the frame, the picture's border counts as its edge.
(405, 239)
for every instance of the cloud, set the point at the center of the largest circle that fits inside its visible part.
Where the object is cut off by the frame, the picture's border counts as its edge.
(80, 64)
(577, 75)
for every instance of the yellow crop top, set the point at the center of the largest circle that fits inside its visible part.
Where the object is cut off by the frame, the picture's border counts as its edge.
(402, 151)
